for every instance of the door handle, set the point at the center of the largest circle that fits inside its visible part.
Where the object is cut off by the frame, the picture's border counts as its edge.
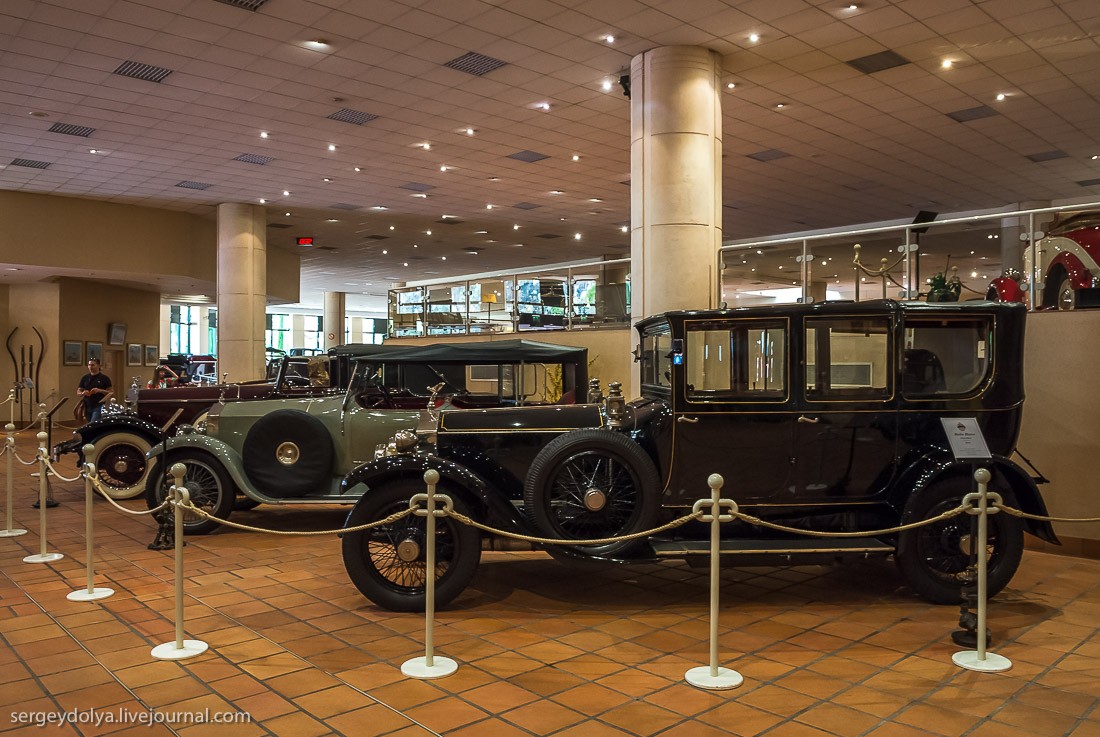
(692, 420)
(810, 420)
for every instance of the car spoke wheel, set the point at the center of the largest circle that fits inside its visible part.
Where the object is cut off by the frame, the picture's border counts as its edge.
(206, 482)
(120, 464)
(388, 564)
(591, 484)
(935, 558)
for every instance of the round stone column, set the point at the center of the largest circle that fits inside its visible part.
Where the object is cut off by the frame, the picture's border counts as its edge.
(242, 290)
(676, 180)
(333, 320)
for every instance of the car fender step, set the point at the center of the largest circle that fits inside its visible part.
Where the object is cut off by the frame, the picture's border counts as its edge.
(785, 549)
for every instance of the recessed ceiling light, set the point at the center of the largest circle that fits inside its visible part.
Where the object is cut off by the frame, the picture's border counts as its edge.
(446, 217)
(326, 179)
(754, 37)
(263, 134)
(853, 6)
(358, 169)
(556, 191)
(480, 232)
(576, 157)
(93, 150)
(392, 228)
(494, 179)
(515, 227)
(443, 258)
(973, 274)
(416, 245)
(1001, 96)
(731, 85)
(317, 43)
(544, 106)
(263, 201)
(624, 228)
(780, 105)
(470, 131)
(384, 252)
(428, 232)
(1095, 157)
(606, 85)
(426, 146)
(947, 64)
(594, 199)
(443, 167)
(287, 214)
(380, 207)
(489, 207)
(332, 220)
(332, 147)
(609, 38)
(286, 193)
(576, 236)
(421, 195)
(404, 263)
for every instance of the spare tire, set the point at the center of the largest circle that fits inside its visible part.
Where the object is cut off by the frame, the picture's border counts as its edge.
(592, 484)
(288, 453)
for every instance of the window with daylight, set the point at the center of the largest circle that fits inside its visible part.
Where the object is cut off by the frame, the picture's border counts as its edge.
(313, 333)
(277, 334)
(183, 329)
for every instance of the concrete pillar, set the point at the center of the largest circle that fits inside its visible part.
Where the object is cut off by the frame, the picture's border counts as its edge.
(165, 329)
(242, 290)
(333, 323)
(297, 330)
(676, 180)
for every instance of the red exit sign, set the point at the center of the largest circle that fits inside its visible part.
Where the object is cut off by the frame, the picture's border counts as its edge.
(305, 240)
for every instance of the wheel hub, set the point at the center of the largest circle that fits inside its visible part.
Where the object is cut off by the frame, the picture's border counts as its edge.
(408, 550)
(120, 465)
(595, 500)
(287, 453)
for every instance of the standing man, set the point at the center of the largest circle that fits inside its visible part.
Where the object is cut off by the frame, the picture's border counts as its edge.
(94, 388)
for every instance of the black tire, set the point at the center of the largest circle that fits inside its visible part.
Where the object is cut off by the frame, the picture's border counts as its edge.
(206, 481)
(614, 467)
(288, 453)
(371, 556)
(121, 465)
(934, 558)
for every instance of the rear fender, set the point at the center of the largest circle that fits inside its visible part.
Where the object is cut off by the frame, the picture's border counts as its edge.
(1005, 289)
(1006, 475)
(475, 489)
(229, 459)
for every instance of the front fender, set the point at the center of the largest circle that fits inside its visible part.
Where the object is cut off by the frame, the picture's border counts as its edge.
(1005, 289)
(116, 423)
(938, 464)
(381, 470)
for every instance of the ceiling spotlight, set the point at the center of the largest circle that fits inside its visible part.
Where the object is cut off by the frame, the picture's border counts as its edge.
(853, 6)
(544, 106)
(594, 199)
(428, 232)
(494, 179)
(624, 228)
(1095, 157)
(421, 195)
(332, 220)
(384, 252)
(470, 131)
(404, 263)
(1001, 96)
(606, 85)
(515, 227)
(780, 105)
(317, 43)
(443, 258)
(609, 38)
(326, 179)
(730, 85)
(973, 274)
(577, 157)
(556, 191)
(380, 207)
(426, 146)
(754, 37)
(358, 169)
(263, 201)
(286, 193)
(946, 64)
(443, 167)
(332, 147)
(287, 214)
(489, 207)
(576, 236)
(392, 228)
(416, 245)
(263, 134)
(93, 150)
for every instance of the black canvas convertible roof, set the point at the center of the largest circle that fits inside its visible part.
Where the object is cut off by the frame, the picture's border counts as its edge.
(496, 351)
(363, 349)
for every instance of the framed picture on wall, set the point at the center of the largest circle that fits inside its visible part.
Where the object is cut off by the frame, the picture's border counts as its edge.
(116, 333)
(133, 354)
(94, 350)
(72, 352)
(152, 355)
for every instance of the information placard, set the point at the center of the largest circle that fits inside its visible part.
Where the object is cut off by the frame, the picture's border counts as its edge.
(967, 441)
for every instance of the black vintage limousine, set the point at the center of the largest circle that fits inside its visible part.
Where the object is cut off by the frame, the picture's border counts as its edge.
(823, 417)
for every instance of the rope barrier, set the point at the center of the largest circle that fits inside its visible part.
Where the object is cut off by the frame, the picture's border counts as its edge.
(98, 486)
(55, 472)
(301, 533)
(20, 459)
(862, 533)
(596, 541)
(1042, 518)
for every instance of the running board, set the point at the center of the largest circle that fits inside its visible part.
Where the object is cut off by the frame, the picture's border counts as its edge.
(792, 548)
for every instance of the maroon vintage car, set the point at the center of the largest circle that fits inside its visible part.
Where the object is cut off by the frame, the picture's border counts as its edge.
(125, 433)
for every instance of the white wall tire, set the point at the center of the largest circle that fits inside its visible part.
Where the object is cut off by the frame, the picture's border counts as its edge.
(121, 464)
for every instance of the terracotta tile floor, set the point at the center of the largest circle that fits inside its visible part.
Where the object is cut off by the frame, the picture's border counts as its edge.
(544, 648)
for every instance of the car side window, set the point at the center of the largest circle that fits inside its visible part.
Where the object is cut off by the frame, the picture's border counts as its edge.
(946, 356)
(656, 360)
(736, 360)
(847, 358)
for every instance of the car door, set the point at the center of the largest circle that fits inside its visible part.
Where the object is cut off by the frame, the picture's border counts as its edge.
(845, 445)
(732, 415)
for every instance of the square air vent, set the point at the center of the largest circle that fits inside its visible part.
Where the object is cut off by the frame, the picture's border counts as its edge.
(528, 156)
(252, 5)
(254, 159)
(417, 186)
(972, 113)
(526, 205)
(278, 225)
(69, 129)
(475, 63)
(355, 117)
(345, 206)
(770, 155)
(1090, 183)
(879, 62)
(30, 164)
(188, 184)
(1048, 156)
(137, 70)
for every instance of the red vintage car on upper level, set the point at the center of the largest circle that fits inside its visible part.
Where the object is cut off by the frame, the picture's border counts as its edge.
(1067, 262)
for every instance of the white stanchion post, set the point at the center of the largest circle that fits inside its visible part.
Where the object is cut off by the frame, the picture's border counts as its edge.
(713, 677)
(181, 648)
(90, 593)
(429, 666)
(42, 556)
(9, 531)
(979, 659)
